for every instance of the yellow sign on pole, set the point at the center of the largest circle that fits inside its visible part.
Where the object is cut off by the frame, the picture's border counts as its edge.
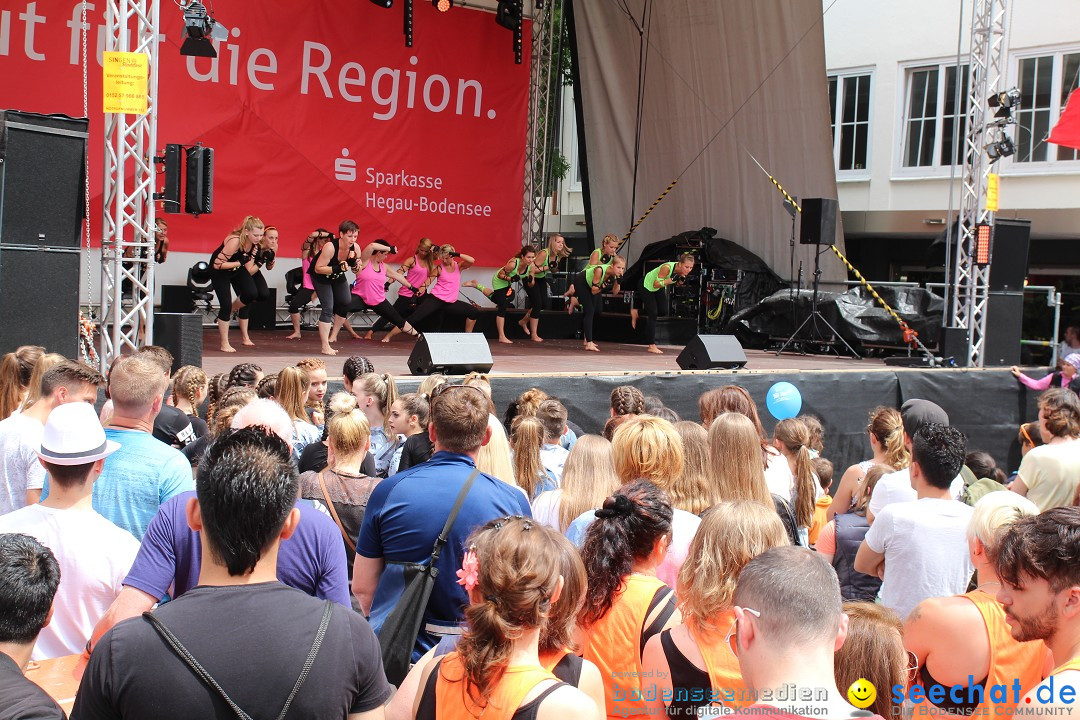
(125, 83)
(992, 192)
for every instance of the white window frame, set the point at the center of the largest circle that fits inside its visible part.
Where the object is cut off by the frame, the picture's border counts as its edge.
(862, 173)
(572, 184)
(1052, 166)
(937, 170)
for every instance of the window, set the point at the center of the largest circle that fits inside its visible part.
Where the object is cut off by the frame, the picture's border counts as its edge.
(1045, 84)
(933, 129)
(849, 103)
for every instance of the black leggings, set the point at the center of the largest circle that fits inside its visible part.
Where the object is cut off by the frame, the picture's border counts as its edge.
(503, 299)
(431, 305)
(335, 297)
(224, 282)
(384, 310)
(262, 294)
(538, 295)
(403, 306)
(593, 305)
(655, 303)
(300, 299)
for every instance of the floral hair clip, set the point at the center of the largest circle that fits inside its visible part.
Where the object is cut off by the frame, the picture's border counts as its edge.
(469, 572)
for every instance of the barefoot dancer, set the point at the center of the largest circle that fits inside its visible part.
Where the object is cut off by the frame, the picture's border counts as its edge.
(600, 256)
(265, 253)
(589, 285)
(231, 269)
(547, 260)
(370, 289)
(443, 296)
(328, 272)
(308, 249)
(419, 271)
(518, 267)
(654, 297)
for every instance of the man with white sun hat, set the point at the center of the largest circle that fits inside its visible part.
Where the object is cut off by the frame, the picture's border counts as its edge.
(93, 553)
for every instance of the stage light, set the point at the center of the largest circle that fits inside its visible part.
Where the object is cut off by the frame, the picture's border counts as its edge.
(442, 5)
(199, 30)
(384, 3)
(1002, 148)
(982, 244)
(200, 283)
(1005, 100)
(508, 14)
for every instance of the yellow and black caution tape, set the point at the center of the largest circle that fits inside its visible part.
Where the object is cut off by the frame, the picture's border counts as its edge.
(651, 208)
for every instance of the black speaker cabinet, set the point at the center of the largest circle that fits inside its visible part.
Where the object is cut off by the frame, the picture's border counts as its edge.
(706, 352)
(1004, 321)
(41, 179)
(818, 224)
(199, 191)
(264, 314)
(450, 354)
(954, 344)
(39, 293)
(176, 299)
(180, 334)
(1009, 260)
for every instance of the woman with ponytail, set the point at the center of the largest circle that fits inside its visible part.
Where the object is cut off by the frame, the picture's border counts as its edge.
(626, 603)
(693, 660)
(375, 395)
(15, 371)
(232, 266)
(512, 573)
(792, 438)
(886, 433)
(189, 388)
(291, 394)
(526, 439)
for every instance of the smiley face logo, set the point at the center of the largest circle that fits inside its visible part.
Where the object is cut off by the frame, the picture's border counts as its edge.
(862, 693)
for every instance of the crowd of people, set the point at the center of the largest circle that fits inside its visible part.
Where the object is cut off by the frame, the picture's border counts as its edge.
(252, 545)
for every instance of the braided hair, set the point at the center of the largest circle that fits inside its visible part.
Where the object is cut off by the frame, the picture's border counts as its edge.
(187, 384)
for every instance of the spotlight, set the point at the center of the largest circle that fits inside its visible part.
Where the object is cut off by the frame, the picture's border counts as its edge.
(1002, 148)
(442, 5)
(199, 30)
(383, 3)
(508, 14)
(199, 282)
(1005, 100)
(982, 244)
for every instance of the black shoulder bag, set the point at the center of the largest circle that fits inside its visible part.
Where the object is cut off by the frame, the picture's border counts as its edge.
(398, 633)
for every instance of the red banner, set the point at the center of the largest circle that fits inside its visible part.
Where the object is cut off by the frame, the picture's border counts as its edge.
(317, 113)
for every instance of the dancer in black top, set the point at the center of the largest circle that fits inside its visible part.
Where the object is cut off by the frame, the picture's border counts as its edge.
(308, 250)
(331, 283)
(232, 266)
(589, 286)
(265, 253)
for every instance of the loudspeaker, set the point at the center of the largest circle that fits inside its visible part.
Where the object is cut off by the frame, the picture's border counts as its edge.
(39, 292)
(818, 224)
(170, 196)
(450, 354)
(180, 334)
(705, 352)
(176, 299)
(264, 314)
(1004, 321)
(41, 179)
(1009, 259)
(954, 344)
(199, 195)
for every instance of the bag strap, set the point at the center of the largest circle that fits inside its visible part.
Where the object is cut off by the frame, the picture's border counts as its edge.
(440, 541)
(200, 671)
(333, 512)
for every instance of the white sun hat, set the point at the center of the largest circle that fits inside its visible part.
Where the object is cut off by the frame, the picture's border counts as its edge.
(73, 436)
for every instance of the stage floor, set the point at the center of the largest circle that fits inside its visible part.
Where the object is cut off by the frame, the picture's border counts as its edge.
(273, 352)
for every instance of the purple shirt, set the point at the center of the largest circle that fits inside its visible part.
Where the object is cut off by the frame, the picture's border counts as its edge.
(312, 560)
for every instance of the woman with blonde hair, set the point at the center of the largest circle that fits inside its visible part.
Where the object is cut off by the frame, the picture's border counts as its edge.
(317, 383)
(693, 489)
(495, 458)
(526, 439)
(189, 388)
(588, 477)
(316, 454)
(874, 650)
(693, 659)
(292, 392)
(45, 363)
(735, 456)
(230, 403)
(418, 271)
(886, 432)
(443, 296)
(232, 266)
(792, 438)
(16, 369)
(309, 248)
(512, 574)
(375, 395)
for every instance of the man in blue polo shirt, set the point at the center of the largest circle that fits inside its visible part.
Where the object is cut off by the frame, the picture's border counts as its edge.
(406, 512)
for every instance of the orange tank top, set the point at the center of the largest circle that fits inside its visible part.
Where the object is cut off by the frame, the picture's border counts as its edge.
(614, 645)
(454, 702)
(724, 673)
(1010, 660)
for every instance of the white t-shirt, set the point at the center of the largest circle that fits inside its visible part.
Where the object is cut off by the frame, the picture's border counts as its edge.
(778, 475)
(553, 457)
(94, 556)
(20, 439)
(926, 551)
(1051, 473)
(545, 508)
(896, 487)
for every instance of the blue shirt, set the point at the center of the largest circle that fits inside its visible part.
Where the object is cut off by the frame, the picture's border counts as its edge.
(404, 517)
(137, 478)
(382, 449)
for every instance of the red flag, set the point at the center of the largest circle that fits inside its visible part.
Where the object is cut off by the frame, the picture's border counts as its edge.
(1067, 130)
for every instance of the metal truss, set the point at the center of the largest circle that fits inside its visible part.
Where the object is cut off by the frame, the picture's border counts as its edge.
(971, 282)
(127, 233)
(544, 86)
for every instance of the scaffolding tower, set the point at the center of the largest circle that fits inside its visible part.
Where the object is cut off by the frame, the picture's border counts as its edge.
(128, 228)
(971, 281)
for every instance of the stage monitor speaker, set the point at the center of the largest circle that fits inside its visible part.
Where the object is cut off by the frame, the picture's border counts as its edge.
(954, 344)
(176, 299)
(818, 225)
(41, 179)
(263, 314)
(1009, 259)
(450, 354)
(199, 190)
(170, 196)
(39, 292)
(1004, 322)
(706, 352)
(180, 334)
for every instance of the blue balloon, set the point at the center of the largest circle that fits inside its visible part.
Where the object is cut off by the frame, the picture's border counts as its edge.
(784, 400)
